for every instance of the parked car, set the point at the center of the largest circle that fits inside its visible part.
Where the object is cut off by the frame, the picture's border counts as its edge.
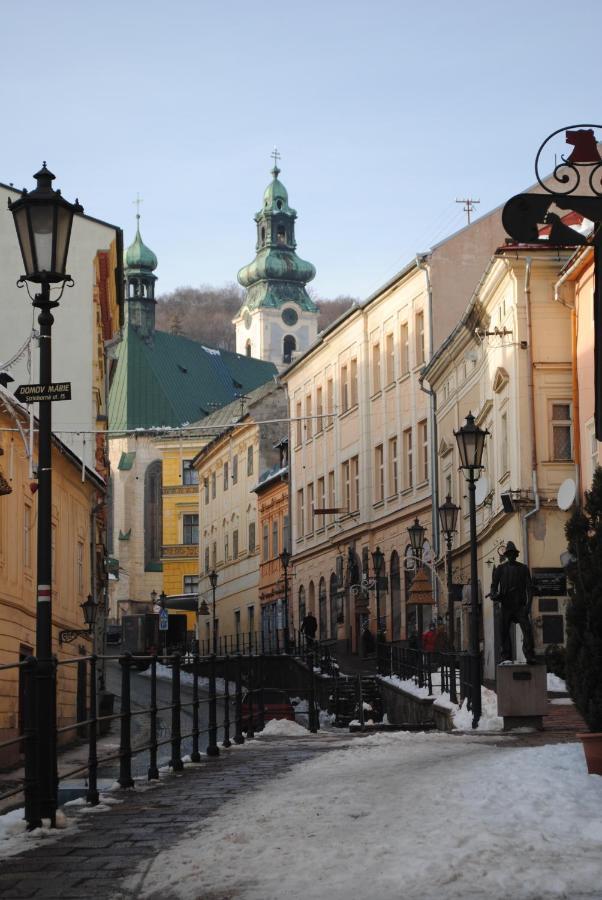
(277, 705)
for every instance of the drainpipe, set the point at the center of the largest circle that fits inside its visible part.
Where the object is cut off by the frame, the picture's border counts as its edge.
(574, 333)
(532, 431)
(424, 267)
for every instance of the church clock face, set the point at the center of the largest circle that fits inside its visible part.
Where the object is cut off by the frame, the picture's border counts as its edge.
(247, 319)
(290, 316)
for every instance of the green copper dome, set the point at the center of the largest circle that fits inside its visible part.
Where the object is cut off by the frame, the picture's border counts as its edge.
(276, 275)
(138, 255)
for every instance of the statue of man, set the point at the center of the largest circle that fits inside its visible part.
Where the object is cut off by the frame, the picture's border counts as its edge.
(511, 587)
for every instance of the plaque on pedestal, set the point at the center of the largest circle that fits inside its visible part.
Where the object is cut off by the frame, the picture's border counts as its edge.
(522, 695)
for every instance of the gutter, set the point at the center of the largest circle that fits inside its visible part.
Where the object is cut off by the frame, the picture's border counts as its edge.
(532, 432)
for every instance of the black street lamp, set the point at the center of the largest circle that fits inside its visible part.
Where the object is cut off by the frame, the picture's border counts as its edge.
(471, 442)
(416, 532)
(448, 518)
(378, 559)
(89, 609)
(43, 220)
(285, 559)
(213, 582)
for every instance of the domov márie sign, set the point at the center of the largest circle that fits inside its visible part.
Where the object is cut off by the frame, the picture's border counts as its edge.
(32, 393)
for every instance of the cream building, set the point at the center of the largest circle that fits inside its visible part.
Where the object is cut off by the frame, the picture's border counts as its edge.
(229, 467)
(508, 360)
(361, 443)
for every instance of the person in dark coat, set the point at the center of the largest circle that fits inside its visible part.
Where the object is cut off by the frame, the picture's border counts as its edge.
(511, 587)
(309, 626)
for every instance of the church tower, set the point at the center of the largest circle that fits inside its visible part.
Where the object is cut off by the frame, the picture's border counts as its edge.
(278, 318)
(139, 263)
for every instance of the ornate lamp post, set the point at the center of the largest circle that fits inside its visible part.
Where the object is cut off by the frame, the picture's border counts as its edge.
(43, 221)
(416, 533)
(471, 443)
(378, 559)
(213, 582)
(285, 559)
(448, 517)
(89, 609)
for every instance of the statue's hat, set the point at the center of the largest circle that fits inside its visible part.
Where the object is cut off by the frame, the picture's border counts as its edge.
(510, 549)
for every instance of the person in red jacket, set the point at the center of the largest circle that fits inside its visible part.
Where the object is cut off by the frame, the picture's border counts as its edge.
(429, 638)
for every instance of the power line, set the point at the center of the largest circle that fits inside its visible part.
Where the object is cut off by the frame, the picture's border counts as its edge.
(469, 205)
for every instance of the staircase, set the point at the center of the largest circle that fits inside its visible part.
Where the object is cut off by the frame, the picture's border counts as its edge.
(345, 700)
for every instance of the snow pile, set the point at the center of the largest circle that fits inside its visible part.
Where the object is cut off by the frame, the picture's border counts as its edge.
(556, 684)
(434, 816)
(14, 837)
(284, 728)
(489, 721)
(407, 685)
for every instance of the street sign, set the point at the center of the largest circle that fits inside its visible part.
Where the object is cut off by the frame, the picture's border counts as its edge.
(163, 620)
(32, 393)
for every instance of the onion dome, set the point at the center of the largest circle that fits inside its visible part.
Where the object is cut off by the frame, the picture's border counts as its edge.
(138, 255)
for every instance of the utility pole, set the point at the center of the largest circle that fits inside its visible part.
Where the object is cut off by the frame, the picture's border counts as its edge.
(469, 205)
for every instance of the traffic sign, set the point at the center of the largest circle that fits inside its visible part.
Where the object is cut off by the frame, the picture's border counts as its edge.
(32, 393)
(163, 620)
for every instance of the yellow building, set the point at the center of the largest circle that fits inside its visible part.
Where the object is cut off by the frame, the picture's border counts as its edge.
(75, 493)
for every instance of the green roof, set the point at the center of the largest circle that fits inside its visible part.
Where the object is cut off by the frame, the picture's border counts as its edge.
(138, 255)
(170, 380)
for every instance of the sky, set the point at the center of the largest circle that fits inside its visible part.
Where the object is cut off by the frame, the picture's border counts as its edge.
(384, 114)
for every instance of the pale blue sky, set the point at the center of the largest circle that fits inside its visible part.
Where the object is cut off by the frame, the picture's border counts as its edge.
(384, 113)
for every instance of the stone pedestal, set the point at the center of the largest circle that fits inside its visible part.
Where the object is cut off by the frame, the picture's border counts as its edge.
(522, 695)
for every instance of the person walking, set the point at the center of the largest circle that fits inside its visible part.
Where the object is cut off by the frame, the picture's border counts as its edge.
(309, 626)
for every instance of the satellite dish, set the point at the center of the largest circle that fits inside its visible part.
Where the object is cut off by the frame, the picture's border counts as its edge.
(566, 494)
(481, 489)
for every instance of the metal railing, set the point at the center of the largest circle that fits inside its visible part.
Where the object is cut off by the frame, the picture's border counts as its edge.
(442, 672)
(245, 674)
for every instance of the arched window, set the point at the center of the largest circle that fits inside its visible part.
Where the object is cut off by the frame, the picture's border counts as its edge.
(336, 607)
(288, 347)
(311, 598)
(153, 526)
(395, 597)
(302, 606)
(262, 234)
(281, 235)
(248, 348)
(323, 610)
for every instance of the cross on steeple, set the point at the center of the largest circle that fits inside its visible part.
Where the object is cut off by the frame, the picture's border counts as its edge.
(275, 156)
(137, 203)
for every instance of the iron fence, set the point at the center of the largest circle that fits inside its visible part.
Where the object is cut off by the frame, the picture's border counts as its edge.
(243, 678)
(440, 672)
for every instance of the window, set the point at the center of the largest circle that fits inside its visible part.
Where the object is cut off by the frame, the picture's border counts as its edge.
(344, 389)
(353, 395)
(275, 537)
(286, 534)
(27, 536)
(321, 499)
(310, 508)
(300, 513)
(206, 559)
(404, 348)
(408, 464)
(80, 567)
(265, 543)
(226, 467)
(592, 451)
(250, 460)
(237, 625)
(423, 450)
(330, 398)
(153, 522)
(420, 357)
(191, 584)
(189, 474)
(190, 528)
(235, 469)
(504, 444)
(206, 489)
(390, 358)
(355, 483)
(375, 368)
(393, 471)
(213, 554)
(235, 543)
(332, 499)
(289, 345)
(213, 485)
(251, 537)
(298, 416)
(248, 348)
(251, 618)
(345, 473)
(226, 547)
(379, 474)
(561, 431)
(308, 422)
(319, 410)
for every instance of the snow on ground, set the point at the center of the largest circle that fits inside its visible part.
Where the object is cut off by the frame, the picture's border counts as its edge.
(489, 721)
(284, 728)
(556, 684)
(14, 837)
(418, 816)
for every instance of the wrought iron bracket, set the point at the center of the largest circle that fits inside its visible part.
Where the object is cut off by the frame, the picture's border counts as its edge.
(68, 636)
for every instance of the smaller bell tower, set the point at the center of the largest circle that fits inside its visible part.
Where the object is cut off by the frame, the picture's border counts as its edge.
(139, 264)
